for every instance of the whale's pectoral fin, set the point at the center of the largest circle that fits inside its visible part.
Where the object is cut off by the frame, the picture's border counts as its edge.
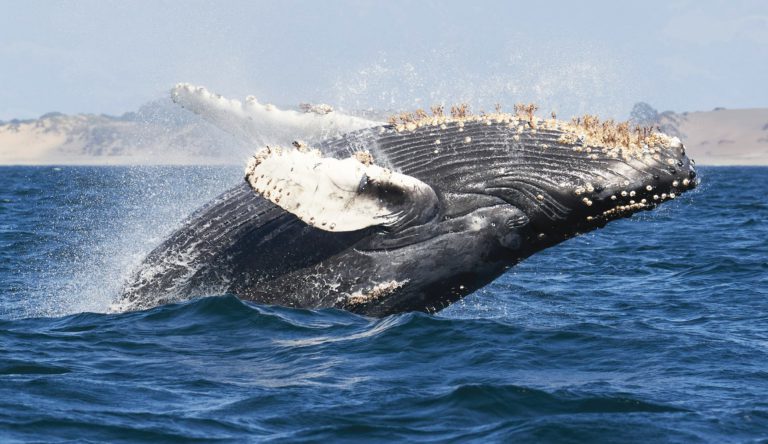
(252, 121)
(340, 195)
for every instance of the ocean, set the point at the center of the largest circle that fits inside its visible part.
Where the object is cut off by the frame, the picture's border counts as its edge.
(653, 329)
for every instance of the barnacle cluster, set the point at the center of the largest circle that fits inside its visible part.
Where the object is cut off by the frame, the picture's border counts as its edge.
(619, 137)
(374, 294)
(588, 133)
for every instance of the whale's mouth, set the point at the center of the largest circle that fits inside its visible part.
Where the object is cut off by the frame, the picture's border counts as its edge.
(647, 196)
(619, 188)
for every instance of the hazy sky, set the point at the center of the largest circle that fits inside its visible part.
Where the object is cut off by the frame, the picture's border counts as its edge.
(110, 57)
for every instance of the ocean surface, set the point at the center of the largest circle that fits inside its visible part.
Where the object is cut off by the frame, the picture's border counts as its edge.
(654, 329)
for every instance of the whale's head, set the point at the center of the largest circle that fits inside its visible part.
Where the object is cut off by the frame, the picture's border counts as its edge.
(573, 187)
(547, 180)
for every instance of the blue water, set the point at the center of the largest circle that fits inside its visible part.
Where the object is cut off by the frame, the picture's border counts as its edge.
(654, 329)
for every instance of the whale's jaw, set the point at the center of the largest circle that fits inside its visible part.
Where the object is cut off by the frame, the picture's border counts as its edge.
(619, 188)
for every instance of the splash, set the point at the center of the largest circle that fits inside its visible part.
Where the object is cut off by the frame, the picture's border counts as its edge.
(110, 218)
(569, 79)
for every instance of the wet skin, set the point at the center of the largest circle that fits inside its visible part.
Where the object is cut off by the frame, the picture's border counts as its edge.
(503, 195)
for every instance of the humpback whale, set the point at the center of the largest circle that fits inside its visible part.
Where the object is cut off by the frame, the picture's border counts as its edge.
(408, 215)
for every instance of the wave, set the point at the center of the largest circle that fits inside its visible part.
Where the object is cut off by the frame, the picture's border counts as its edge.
(640, 333)
(218, 368)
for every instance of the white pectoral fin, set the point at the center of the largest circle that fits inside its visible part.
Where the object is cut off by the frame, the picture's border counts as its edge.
(339, 195)
(254, 121)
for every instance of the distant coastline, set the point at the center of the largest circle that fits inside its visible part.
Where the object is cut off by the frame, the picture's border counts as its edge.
(721, 136)
(160, 133)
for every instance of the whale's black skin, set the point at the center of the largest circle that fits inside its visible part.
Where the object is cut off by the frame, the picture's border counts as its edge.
(503, 195)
